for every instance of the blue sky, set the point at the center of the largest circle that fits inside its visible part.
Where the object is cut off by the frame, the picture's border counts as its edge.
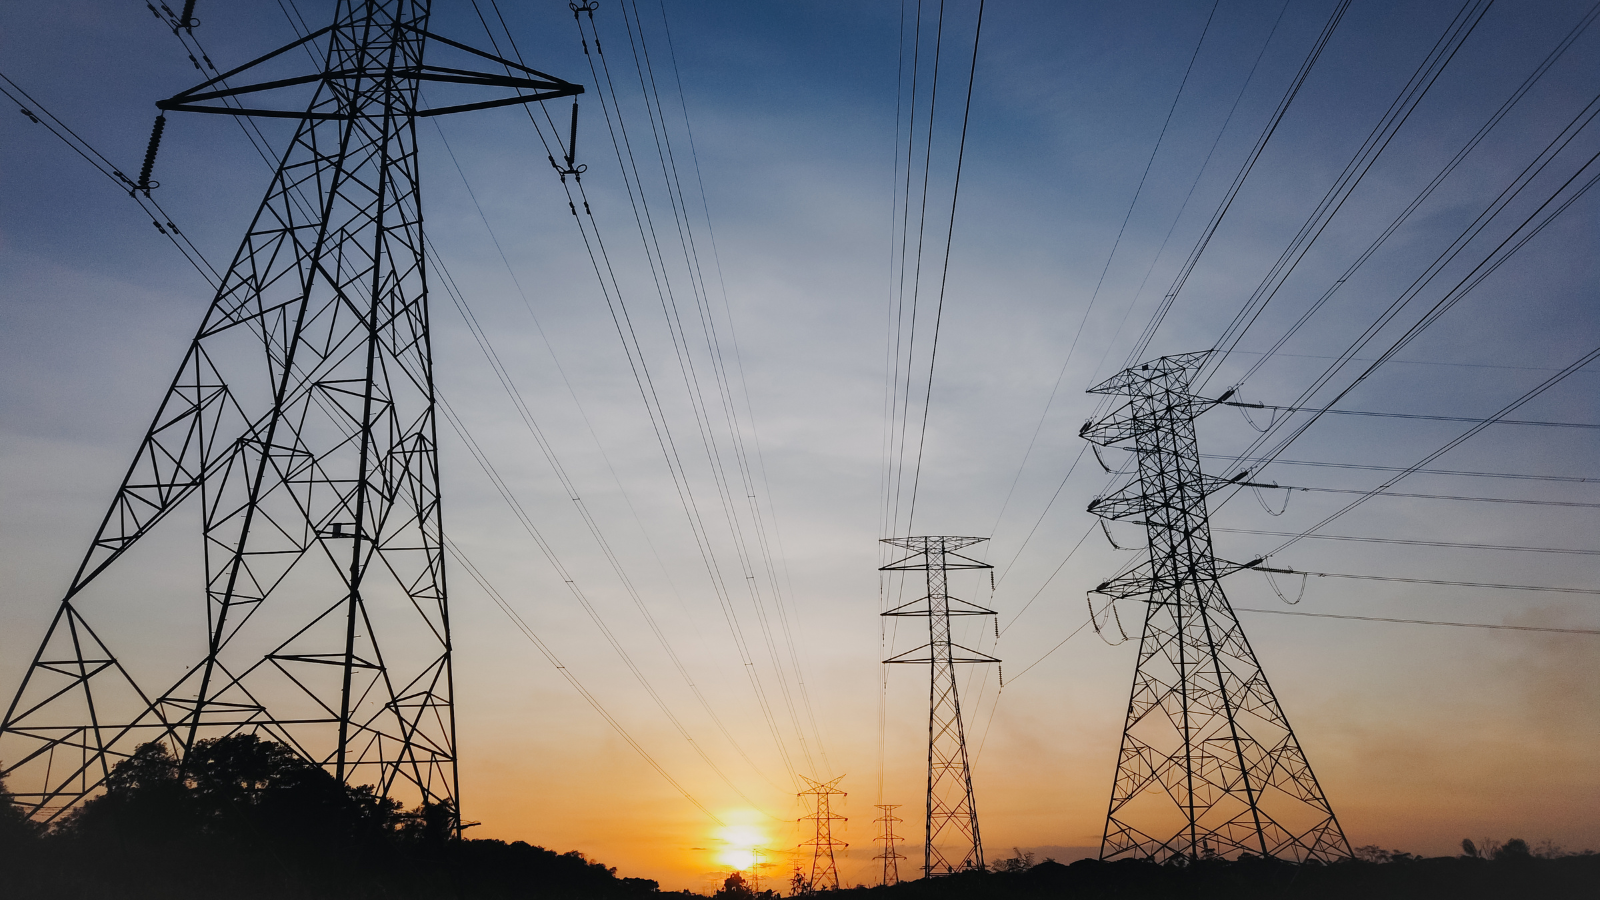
(1420, 735)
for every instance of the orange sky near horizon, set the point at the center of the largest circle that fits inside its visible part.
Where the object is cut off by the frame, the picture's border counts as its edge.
(766, 649)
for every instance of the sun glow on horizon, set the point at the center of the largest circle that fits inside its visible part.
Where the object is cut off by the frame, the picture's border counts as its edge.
(739, 845)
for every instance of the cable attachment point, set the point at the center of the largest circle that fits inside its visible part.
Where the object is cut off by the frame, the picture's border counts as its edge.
(587, 6)
(187, 21)
(1301, 595)
(1263, 500)
(1113, 541)
(145, 184)
(576, 171)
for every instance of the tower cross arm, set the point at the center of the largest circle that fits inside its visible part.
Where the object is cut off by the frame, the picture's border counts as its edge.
(1135, 498)
(543, 85)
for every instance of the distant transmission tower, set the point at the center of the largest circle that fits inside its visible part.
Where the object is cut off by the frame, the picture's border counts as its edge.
(756, 865)
(1209, 765)
(824, 870)
(951, 840)
(301, 427)
(891, 854)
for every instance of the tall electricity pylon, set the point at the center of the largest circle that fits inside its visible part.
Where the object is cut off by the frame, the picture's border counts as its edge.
(891, 854)
(1209, 765)
(823, 867)
(951, 839)
(300, 429)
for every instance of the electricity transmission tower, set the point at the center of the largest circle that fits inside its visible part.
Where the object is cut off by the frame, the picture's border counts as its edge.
(757, 854)
(823, 867)
(891, 854)
(1209, 765)
(951, 840)
(300, 435)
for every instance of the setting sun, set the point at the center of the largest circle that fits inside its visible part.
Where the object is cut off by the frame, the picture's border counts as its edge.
(739, 843)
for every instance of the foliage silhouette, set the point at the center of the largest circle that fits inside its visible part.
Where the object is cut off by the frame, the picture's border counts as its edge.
(734, 887)
(1393, 875)
(247, 818)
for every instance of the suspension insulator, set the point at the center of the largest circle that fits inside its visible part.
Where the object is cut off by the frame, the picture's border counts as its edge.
(150, 156)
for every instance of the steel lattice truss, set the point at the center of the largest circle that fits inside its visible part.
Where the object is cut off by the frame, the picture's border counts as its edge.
(891, 854)
(952, 842)
(1209, 765)
(300, 431)
(824, 868)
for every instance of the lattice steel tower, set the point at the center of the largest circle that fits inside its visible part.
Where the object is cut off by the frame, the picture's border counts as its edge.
(891, 854)
(300, 435)
(1209, 765)
(824, 869)
(952, 815)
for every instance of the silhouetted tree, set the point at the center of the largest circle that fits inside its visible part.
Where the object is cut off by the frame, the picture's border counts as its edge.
(1022, 861)
(735, 888)
(17, 831)
(145, 803)
(234, 788)
(430, 823)
(1514, 849)
(1549, 849)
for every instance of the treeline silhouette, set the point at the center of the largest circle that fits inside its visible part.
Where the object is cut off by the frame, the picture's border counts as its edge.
(247, 818)
(1509, 870)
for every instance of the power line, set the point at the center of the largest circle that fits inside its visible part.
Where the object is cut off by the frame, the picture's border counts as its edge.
(158, 216)
(1301, 535)
(1487, 266)
(1472, 584)
(577, 592)
(755, 437)
(1394, 415)
(594, 702)
(643, 378)
(1239, 179)
(1355, 171)
(1448, 446)
(1292, 612)
(900, 401)
(486, 346)
(1084, 320)
(452, 290)
(1417, 471)
(633, 350)
(1324, 490)
(714, 350)
(944, 273)
(1494, 120)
